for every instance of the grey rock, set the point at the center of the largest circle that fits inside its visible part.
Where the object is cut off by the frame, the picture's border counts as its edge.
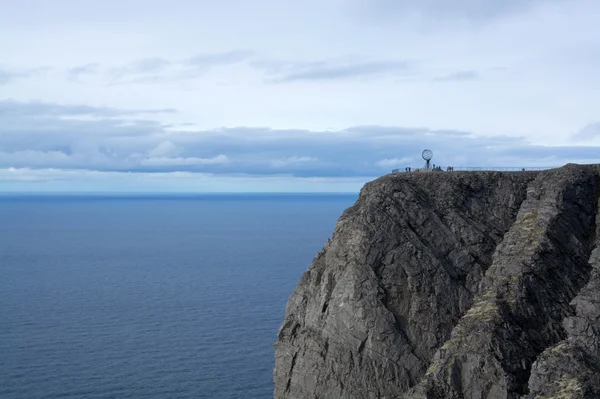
(402, 267)
(452, 285)
(541, 265)
(571, 369)
(565, 370)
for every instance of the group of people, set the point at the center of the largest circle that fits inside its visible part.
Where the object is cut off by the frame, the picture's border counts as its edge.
(439, 168)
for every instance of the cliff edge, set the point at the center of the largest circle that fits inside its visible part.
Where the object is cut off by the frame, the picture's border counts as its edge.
(452, 285)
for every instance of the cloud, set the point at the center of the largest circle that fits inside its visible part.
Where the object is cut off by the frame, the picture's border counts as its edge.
(459, 76)
(394, 162)
(144, 70)
(165, 149)
(149, 65)
(473, 10)
(9, 75)
(319, 71)
(78, 72)
(179, 161)
(278, 163)
(160, 70)
(39, 109)
(208, 60)
(588, 132)
(33, 158)
(47, 136)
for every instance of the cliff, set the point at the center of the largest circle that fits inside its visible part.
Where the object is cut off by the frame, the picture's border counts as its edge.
(452, 285)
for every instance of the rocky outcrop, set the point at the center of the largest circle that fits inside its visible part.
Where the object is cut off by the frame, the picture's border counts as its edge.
(538, 269)
(452, 285)
(572, 367)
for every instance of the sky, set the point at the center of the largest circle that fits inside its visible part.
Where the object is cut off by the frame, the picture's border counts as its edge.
(272, 96)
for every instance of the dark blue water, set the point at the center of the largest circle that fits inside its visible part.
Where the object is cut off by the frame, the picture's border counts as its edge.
(150, 297)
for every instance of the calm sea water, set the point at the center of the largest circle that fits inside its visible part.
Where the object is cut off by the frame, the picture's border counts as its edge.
(150, 296)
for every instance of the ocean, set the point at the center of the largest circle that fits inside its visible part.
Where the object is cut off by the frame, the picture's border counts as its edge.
(150, 296)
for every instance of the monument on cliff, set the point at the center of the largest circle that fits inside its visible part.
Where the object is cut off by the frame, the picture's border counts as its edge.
(427, 156)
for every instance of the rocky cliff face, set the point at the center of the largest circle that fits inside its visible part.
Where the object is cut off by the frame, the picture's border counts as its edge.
(452, 285)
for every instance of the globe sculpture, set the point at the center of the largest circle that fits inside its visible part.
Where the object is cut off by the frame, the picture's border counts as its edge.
(427, 155)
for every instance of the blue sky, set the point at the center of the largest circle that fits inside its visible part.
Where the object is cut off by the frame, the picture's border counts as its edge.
(321, 95)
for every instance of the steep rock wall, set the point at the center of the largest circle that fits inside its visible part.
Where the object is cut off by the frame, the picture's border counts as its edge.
(541, 265)
(402, 267)
(571, 369)
(452, 285)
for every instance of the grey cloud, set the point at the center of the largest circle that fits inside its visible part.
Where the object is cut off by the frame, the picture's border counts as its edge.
(459, 76)
(37, 135)
(274, 66)
(183, 162)
(154, 64)
(213, 59)
(330, 71)
(38, 109)
(590, 131)
(138, 71)
(200, 64)
(83, 70)
(9, 75)
(474, 10)
(160, 70)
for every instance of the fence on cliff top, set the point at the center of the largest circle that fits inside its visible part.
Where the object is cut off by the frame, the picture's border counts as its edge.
(485, 168)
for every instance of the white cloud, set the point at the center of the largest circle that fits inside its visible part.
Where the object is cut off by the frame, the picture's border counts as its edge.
(278, 163)
(394, 162)
(165, 149)
(38, 136)
(526, 70)
(537, 59)
(179, 161)
(51, 174)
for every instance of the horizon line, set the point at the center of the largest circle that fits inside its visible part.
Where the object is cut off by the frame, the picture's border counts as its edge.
(177, 192)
